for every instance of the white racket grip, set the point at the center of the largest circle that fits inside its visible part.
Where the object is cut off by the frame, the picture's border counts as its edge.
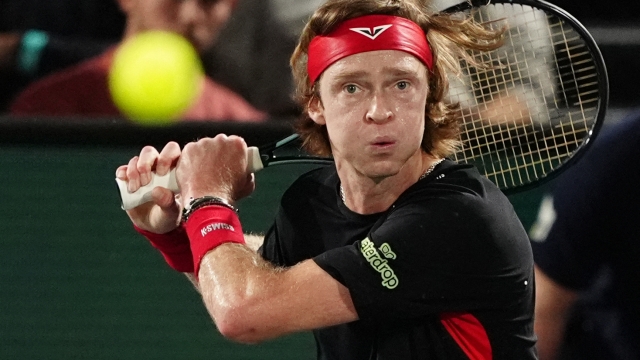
(143, 194)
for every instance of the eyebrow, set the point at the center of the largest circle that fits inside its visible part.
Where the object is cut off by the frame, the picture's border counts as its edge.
(395, 71)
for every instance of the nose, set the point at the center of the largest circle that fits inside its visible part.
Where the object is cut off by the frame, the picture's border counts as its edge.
(379, 110)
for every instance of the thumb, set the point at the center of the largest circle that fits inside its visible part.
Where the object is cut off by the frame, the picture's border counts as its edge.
(164, 198)
(249, 187)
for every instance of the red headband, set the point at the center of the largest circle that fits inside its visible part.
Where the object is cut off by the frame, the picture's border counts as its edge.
(367, 33)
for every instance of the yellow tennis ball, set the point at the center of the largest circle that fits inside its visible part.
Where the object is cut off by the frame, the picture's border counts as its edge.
(155, 77)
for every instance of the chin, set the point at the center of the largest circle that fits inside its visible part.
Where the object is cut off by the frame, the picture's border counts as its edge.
(383, 170)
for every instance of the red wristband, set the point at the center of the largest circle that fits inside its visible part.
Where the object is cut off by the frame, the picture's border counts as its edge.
(209, 227)
(174, 247)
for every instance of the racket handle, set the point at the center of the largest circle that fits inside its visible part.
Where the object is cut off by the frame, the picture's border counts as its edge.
(143, 194)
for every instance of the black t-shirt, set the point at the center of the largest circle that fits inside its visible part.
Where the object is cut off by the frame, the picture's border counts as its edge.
(445, 273)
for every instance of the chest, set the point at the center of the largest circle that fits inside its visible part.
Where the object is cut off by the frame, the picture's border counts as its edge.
(321, 227)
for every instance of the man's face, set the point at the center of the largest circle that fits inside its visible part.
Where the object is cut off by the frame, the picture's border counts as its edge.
(200, 21)
(373, 105)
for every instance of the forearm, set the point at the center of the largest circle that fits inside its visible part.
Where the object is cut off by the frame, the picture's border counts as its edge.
(237, 286)
(550, 331)
(251, 300)
(553, 306)
(253, 241)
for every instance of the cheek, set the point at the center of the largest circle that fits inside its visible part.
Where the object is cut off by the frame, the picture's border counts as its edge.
(410, 106)
(343, 117)
(346, 107)
(342, 123)
(411, 114)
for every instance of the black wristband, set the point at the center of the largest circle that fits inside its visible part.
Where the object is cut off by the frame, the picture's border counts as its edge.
(197, 203)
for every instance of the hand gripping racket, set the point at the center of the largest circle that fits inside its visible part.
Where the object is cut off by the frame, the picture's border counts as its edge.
(282, 152)
(523, 120)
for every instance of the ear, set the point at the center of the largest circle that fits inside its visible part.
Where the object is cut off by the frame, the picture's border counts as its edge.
(316, 111)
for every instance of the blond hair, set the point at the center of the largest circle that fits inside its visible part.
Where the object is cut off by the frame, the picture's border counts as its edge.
(450, 38)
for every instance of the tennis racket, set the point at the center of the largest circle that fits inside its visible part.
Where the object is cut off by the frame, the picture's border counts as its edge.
(524, 119)
(537, 109)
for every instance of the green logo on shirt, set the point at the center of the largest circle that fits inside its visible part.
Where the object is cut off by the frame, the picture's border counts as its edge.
(380, 264)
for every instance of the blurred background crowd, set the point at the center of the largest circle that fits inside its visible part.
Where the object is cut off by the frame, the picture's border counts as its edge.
(245, 46)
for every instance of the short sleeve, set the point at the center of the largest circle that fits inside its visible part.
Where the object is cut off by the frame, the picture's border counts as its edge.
(424, 260)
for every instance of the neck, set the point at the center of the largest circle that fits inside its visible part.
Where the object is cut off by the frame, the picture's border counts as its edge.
(365, 195)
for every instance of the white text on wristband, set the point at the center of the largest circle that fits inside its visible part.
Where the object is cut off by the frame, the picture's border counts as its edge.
(216, 226)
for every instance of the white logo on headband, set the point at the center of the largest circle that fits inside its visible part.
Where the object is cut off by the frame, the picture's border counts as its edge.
(371, 33)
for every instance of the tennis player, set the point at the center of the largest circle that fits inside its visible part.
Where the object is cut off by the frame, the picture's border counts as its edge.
(393, 253)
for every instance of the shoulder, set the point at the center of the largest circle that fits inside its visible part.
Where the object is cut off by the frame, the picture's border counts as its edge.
(455, 185)
(614, 146)
(606, 171)
(303, 208)
(621, 135)
(321, 181)
(456, 201)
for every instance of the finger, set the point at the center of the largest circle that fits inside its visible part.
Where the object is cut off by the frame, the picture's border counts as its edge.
(168, 158)
(238, 139)
(133, 175)
(248, 188)
(188, 148)
(146, 162)
(220, 136)
(163, 197)
(251, 183)
(167, 207)
(121, 172)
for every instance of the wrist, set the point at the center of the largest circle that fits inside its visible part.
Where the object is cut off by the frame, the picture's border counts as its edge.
(194, 204)
(189, 195)
(174, 247)
(209, 227)
(157, 229)
(190, 190)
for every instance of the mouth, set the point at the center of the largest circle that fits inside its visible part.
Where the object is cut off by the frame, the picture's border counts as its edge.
(383, 143)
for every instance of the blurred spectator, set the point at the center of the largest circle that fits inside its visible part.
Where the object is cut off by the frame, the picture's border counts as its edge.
(82, 89)
(509, 93)
(293, 14)
(252, 57)
(60, 33)
(586, 250)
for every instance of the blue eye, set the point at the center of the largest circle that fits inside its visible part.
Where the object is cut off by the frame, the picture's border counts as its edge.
(402, 85)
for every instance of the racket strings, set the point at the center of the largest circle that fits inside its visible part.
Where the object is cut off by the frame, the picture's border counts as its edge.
(531, 110)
